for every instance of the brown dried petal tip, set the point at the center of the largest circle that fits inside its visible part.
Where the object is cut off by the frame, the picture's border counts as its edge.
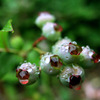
(58, 28)
(74, 49)
(96, 58)
(21, 74)
(55, 61)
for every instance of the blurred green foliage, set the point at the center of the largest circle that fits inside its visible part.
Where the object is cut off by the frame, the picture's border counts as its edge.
(80, 20)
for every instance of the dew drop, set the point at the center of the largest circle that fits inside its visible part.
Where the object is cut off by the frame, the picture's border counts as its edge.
(25, 61)
(50, 70)
(64, 76)
(38, 72)
(47, 59)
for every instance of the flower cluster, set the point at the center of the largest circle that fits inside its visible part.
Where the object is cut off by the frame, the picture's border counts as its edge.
(66, 60)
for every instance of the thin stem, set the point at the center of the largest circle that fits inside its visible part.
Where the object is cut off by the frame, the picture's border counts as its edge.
(39, 50)
(38, 40)
(22, 53)
(9, 50)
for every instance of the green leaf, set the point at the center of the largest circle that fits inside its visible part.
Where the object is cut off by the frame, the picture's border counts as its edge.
(3, 39)
(10, 78)
(65, 93)
(8, 62)
(8, 27)
(4, 35)
(10, 92)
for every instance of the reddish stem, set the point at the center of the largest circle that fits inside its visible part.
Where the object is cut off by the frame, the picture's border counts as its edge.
(38, 40)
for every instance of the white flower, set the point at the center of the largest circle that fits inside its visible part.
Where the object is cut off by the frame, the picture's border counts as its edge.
(87, 52)
(59, 43)
(43, 18)
(46, 64)
(27, 73)
(51, 31)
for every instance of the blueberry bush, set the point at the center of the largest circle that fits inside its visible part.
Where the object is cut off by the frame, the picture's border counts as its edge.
(49, 51)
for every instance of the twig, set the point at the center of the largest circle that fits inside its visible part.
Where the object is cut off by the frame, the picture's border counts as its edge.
(38, 40)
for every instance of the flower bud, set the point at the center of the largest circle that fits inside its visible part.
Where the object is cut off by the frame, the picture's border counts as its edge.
(27, 73)
(72, 76)
(68, 52)
(52, 31)
(59, 43)
(43, 18)
(50, 64)
(17, 42)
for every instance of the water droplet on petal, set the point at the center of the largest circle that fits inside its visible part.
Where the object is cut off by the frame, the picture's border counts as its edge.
(25, 61)
(38, 72)
(47, 60)
(50, 70)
